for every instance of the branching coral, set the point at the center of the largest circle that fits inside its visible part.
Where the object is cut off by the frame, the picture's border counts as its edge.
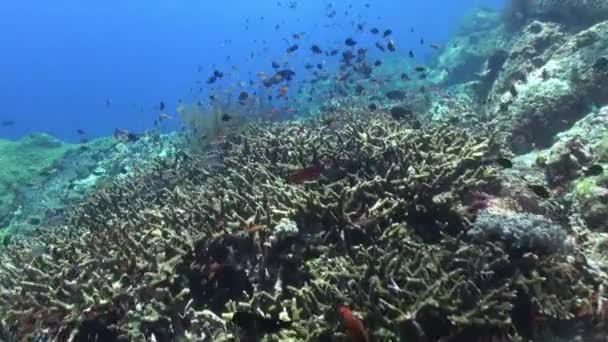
(171, 253)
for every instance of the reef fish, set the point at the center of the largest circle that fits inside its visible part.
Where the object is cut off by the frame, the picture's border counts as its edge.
(255, 325)
(354, 327)
(306, 174)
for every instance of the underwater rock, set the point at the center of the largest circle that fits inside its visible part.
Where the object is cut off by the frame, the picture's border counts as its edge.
(479, 36)
(548, 83)
(574, 13)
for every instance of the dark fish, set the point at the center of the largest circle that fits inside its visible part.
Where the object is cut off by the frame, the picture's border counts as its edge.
(286, 74)
(391, 46)
(396, 94)
(411, 54)
(500, 161)
(594, 170)
(275, 65)
(211, 79)
(162, 106)
(360, 27)
(347, 56)
(211, 97)
(350, 42)
(540, 190)
(422, 76)
(420, 69)
(380, 47)
(334, 52)
(308, 66)
(320, 66)
(387, 33)
(7, 123)
(421, 41)
(513, 91)
(372, 107)
(125, 135)
(405, 77)
(401, 112)
(226, 117)
(374, 30)
(255, 325)
(292, 48)
(316, 49)
(504, 162)
(218, 74)
(378, 63)
(359, 89)
(80, 132)
(243, 96)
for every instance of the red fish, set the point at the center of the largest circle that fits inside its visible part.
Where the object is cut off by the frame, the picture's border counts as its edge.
(310, 173)
(354, 327)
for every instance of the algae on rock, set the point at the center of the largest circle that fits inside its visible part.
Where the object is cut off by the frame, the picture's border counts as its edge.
(25, 162)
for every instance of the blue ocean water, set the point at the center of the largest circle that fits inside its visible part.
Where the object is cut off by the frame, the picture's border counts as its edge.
(67, 65)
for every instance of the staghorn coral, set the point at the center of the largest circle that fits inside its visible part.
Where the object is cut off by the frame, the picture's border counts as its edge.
(171, 253)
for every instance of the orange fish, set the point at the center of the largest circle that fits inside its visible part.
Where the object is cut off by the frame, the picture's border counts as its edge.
(354, 327)
(250, 227)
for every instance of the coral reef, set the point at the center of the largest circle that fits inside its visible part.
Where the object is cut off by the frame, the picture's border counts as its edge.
(473, 212)
(575, 13)
(75, 174)
(548, 83)
(172, 252)
(27, 161)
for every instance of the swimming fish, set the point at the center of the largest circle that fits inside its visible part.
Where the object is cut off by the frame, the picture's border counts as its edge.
(243, 96)
(350, 42)
(306, 174)
(292, 48)
(354, 327)
(316, 49)
(257, 325)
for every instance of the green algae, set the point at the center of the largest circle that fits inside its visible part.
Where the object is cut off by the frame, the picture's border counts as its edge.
(26, 162)
(602, 149)
(585, 187)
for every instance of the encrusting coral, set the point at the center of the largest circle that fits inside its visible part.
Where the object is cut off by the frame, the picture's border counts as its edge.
(380, 226)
